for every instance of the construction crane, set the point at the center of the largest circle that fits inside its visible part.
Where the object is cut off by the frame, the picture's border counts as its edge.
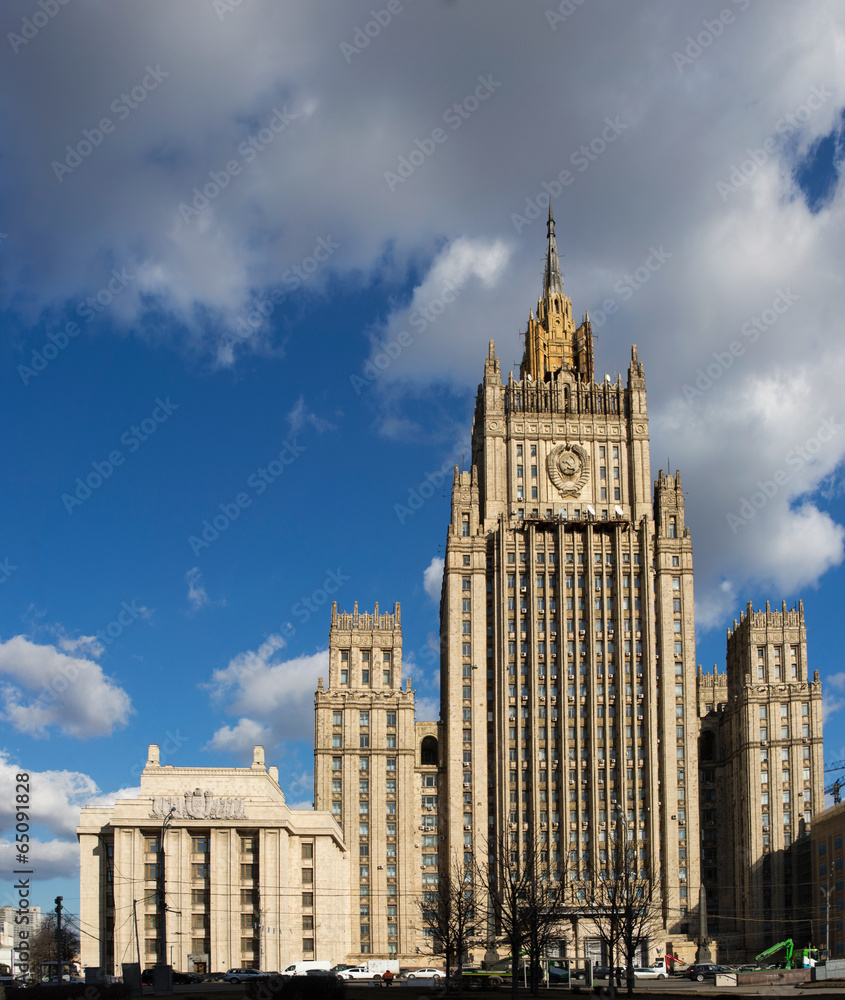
(836, 788)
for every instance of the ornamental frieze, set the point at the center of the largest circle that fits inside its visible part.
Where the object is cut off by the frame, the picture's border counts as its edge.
(198, 805)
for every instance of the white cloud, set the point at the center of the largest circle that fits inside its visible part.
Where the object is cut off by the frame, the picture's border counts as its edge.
(197, 594)
(52, 858)
(679, 131)
(240, 739)
(433, 578)
(48, 689)
(301, 417)
(277, 694)
(427, 709)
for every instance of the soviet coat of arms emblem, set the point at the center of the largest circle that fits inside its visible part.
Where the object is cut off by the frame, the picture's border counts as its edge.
(568, 466)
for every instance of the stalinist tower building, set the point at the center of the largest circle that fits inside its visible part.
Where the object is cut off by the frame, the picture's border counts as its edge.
(568, 680)
(571, 706)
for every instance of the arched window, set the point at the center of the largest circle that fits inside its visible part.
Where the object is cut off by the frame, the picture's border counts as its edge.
(428, 750)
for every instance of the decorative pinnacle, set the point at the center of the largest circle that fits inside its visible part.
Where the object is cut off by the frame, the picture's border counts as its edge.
(552, 281)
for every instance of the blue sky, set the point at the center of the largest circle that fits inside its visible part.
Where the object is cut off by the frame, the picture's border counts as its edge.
(250, 263)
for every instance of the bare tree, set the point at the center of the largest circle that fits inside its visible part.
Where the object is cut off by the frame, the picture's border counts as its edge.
(43, 945)
(618, 901)
(527, 896)
(449, 912)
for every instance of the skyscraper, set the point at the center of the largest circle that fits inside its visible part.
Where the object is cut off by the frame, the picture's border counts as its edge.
(568, 681)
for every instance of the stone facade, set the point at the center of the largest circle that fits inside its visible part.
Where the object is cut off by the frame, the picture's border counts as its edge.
(571, 709)
(568, 690)
(827, 866)
(376, 771)
(762, 781)
(247, 880)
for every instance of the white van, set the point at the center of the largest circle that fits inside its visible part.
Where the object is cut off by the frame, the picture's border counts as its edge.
(301, 968)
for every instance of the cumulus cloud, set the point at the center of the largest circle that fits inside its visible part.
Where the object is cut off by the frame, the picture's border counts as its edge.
(53, 858)
(60, 794)
(50, 690)
(652, 165)
(433, 578)
(270, 695)
(239, 740)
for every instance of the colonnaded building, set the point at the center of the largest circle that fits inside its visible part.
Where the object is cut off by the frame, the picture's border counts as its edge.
(571, 709)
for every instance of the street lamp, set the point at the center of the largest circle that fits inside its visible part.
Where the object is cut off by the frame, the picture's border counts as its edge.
(165, 826)
(825, 891)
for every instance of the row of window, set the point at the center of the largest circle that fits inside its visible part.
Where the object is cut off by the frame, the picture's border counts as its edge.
(363, 763)
(363, 741)
(364, 718)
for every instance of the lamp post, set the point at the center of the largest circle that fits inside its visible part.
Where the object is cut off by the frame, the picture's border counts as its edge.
(165, 826)
(825, 891)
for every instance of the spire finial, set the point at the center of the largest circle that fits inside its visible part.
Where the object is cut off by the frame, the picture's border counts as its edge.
(552, 281)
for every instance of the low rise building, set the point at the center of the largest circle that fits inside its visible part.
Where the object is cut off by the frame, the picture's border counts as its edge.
(245, 879)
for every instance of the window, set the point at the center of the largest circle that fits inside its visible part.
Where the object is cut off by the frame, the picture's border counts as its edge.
(337, 763)
(308, 944)
(307, 876)
(307, 851)
(337, 718)
(308, 923)
(199, 871)
(199, 897)
(248, 872)
(151, 845)
(199, 845)
(307, 900)
(391, 718)
(247, 896)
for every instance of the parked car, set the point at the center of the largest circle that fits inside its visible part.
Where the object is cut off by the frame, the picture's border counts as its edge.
(705, 970)
(179, 978)
(603, 971)
(359, 972)
(11, 983)
(425, 974)
(243, 975)
(649, 972)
